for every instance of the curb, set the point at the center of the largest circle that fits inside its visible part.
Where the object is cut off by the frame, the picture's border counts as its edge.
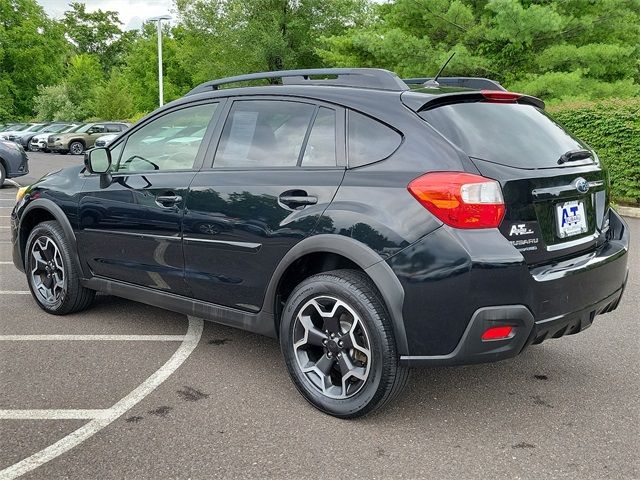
(631, 212)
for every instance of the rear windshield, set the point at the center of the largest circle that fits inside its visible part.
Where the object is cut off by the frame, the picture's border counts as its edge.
(516, 135)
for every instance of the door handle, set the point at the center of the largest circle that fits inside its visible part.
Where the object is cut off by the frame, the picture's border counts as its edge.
(168, 200)
(297, 199)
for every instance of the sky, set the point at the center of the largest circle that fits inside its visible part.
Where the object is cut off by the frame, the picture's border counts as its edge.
(132, 12)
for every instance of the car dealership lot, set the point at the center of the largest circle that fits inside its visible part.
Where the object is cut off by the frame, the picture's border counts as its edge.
(221, 404)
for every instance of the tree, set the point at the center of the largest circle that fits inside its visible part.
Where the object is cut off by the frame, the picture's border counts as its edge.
(113, 99)
(97, 33)
(224, 37)
(556, 49)
(84, 79)
(53, 103)
(32, 52)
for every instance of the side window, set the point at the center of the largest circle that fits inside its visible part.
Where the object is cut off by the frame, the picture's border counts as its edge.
(263, 133)
(321, 146)
(170, 142)
(113, 128)
(96, 129)
(369, 140)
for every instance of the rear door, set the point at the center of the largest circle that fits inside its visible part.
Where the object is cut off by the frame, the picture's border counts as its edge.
(277, 166)
(554, 187)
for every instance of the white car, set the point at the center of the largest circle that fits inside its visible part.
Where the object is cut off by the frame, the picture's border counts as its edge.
(105, 140)
(39, 141)
(34, 127)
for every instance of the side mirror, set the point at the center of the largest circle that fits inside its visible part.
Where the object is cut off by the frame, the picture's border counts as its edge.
(98, 160)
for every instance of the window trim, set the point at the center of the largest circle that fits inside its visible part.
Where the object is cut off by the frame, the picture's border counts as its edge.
(340, 111)
(202, 150)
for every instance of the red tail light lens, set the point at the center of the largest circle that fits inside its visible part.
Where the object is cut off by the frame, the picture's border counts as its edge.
(500, 96)
(461, 200)
(497, 333)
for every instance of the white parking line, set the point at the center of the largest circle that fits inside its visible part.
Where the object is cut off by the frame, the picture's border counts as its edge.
(78, 436)
(52, 414)
(6, 263)
(91, 338)
(15, 292)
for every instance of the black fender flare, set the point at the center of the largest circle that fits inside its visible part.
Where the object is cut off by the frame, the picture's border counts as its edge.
(374, 266)
(61, 218)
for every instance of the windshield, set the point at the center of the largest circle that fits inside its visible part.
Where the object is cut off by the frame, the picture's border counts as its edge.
(73, 128)
(57, 128)
(84, 128)
(516, 135)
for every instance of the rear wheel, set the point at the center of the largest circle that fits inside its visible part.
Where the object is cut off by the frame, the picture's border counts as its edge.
(53, 278)
(76, 148)
(3, 175)
(337, 340)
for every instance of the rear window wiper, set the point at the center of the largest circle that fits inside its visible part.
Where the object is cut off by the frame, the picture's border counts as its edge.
(574, 155)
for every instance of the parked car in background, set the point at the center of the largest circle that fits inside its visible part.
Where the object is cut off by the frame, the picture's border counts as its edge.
(13, 161)
(23, 127)
(39, 140)
(83, 138)
(105, 140)
(24, 138)
(13, 127)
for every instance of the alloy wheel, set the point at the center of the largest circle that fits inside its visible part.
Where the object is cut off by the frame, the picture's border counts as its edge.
(47, 270)
(76, 148)
(332, 347)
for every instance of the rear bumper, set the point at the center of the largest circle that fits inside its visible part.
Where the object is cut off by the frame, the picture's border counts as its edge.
(458, 284)
(471, 349)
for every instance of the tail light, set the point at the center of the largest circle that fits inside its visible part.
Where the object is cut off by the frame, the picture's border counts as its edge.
(500, 96)
(498, 333)
(461, 200)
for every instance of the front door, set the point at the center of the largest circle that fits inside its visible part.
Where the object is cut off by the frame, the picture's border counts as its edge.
(276, 169)
(130, 230)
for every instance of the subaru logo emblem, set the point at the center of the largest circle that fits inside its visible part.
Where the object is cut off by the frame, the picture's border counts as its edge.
(581, 185)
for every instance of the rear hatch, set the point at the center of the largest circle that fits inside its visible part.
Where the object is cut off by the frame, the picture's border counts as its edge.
(554, 187)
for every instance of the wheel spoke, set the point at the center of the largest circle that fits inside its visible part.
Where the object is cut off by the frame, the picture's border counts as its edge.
(312, 335)
(324, 364)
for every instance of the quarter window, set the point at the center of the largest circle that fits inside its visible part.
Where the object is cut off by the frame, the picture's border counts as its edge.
(169, 143)
(370, 140)
(264, 133)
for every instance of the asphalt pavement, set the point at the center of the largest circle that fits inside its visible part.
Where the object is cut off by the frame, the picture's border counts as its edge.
(125, 390)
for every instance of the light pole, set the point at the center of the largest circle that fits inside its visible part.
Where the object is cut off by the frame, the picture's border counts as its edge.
(160, 86)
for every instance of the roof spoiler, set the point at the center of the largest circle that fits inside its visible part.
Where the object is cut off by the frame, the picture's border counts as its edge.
(462, 82)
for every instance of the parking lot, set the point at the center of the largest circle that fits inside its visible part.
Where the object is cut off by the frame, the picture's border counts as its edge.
(129, 391)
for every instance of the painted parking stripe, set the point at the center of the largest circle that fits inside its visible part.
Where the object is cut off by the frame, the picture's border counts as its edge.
(78, 436)
(91, 338)
(15, 292)
(52, 414)
(6, 263)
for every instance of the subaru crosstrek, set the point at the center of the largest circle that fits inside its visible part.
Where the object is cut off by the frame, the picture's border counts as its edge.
(370, 226)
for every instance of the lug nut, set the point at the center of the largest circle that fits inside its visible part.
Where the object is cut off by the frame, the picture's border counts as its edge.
(341, 343)
(329, 354)
(325, 341)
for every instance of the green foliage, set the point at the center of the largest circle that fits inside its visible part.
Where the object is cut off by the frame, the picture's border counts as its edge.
(570, 49)
(84, 78)
(114, 99)
(612, 128)
(53, 103)
(97, 33)
(32, 53)
(226, 37)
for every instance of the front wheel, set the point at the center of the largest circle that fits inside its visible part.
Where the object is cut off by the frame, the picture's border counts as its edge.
(53, 278)
(337, 340)
(3, 175)
(76, 148)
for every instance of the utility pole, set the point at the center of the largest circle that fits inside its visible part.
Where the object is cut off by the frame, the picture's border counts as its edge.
(160, 82)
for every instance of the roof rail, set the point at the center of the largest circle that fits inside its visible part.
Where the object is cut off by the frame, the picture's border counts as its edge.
(464, 82)
(346, 77)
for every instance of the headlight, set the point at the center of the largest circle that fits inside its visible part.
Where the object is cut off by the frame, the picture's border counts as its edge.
(22, 191)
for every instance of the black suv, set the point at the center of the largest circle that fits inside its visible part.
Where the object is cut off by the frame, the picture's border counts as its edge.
(370, 226)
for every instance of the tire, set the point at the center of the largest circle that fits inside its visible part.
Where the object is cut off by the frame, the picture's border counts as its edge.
(3, 175)
(54, 280)
(76, 148)
(357, 383)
